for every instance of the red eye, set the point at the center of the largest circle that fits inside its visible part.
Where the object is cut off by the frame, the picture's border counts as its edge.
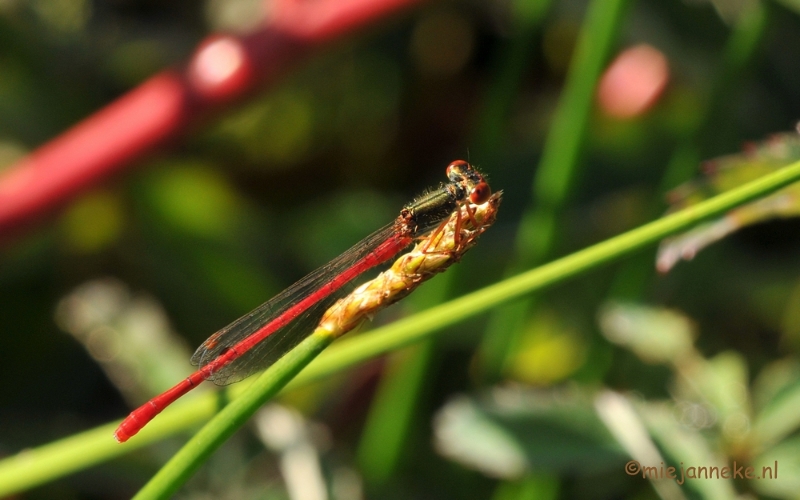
(480, 194)
(458, 164)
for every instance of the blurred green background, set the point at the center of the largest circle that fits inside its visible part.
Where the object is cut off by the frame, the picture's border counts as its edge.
(517, 404)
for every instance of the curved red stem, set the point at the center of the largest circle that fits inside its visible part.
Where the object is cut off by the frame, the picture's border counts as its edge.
(223, 69)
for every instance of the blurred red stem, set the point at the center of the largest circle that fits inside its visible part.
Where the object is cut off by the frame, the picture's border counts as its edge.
(223, 69)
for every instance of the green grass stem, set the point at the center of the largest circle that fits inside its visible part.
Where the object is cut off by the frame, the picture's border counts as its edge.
(556, 173)
(194, 453)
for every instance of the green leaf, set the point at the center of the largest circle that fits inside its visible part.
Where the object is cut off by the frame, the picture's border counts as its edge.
(784, 464)
(726, 173)
(780, 417)
(510, 433)
(656, 335)
(686, 448)
(723, 383)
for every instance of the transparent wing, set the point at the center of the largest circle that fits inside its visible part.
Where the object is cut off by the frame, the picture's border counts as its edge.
(301, 322)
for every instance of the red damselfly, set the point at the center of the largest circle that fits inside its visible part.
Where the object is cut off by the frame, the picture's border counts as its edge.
(259, 338)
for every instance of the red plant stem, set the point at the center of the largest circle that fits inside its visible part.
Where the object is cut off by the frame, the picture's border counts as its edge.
(223, 69)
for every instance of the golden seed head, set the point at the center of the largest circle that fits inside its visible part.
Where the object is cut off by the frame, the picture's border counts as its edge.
(434, 253)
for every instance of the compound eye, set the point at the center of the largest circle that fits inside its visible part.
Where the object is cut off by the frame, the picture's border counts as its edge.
(456, 169)
(480, 194)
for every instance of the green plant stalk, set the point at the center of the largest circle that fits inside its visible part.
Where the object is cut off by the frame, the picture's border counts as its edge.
(392, 413)
(557, 171)
(739, 52)
(513, 60)
(539, 486)
(36, 466)
(562, 150)
(385, 435)
(388, 423)
(414, 328)
(189, 458)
